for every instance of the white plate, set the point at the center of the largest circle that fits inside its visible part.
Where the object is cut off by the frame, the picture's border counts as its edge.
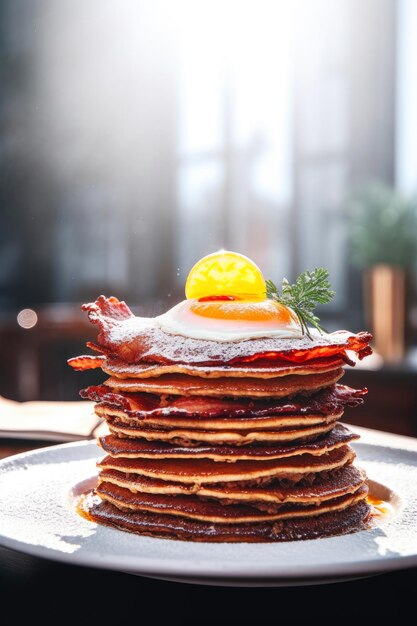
(38, 517)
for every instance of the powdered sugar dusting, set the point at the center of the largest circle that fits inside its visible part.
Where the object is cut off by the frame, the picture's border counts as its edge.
(178, 348)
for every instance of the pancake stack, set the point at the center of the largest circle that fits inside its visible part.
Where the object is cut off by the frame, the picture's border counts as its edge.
(230, 442)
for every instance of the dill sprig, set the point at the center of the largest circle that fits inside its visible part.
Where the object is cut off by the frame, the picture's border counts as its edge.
(309, 290)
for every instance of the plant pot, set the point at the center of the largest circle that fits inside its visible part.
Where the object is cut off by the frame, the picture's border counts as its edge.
(385, 303)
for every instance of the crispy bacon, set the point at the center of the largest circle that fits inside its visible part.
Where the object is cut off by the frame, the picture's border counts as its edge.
(86, 362)
(131, 447)
(328, 401)
(354, 343)
(258, 368)
(137, 339)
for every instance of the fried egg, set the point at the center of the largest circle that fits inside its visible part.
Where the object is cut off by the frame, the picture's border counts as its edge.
(230, 321)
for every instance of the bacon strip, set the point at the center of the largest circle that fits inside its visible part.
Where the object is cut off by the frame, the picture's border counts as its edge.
(260, 368)
(137, 339)
(328, 401)
(86, 362)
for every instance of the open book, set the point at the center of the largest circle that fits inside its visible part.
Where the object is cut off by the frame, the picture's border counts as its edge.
(54, 421)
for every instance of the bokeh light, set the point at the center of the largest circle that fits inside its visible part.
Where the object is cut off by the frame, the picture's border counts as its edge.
(27, 318)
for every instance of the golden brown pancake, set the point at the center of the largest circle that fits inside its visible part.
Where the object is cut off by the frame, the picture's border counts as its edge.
(183, 385)
(272, 422)
(196, 508)
(140, 448)
(190, 437)
(352, 518)
(204, 471)
(337, 483)
(259, 369)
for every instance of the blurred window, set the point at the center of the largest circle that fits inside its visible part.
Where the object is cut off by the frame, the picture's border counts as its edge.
(406, 101)
(279, 124)
(137, 137)
(235, 132)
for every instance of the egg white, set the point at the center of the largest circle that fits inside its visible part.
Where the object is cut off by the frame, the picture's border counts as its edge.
(180, 320)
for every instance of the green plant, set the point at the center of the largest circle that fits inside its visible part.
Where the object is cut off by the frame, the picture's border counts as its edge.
(383, 227)
(309, 290)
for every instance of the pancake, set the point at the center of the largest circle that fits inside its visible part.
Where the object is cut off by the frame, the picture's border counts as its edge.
(329, 401)
(193, 507)
(139, 448)
(350, 519)
(259, 369)
(190, 437)
(339, 482)
(204, 471)
(133, 339)
(183, 385)
(274, 422)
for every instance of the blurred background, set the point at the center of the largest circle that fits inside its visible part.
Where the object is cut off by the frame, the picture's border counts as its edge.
(136, 137)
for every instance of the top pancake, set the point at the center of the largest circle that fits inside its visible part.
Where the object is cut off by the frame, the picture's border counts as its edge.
(259, 369)
(136, 340)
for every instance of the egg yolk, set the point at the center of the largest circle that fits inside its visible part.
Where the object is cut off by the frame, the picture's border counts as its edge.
(228, 286)
(223, 274)
(267, 311)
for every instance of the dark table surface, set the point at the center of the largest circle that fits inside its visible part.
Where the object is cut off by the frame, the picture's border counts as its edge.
(36, 588)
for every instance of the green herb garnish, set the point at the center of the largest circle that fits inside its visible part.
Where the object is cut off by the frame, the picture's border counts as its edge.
(309, 290)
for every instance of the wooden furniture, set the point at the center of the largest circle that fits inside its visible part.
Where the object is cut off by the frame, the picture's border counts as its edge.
(391, 402)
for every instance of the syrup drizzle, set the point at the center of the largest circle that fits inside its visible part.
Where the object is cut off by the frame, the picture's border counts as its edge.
(81, 507)
(380, 508)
